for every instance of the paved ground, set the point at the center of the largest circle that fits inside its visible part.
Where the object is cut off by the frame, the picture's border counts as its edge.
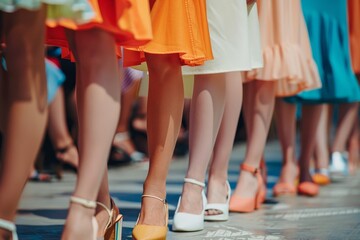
(335, 214)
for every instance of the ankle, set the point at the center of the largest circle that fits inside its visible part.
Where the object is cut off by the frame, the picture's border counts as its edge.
(158, 190)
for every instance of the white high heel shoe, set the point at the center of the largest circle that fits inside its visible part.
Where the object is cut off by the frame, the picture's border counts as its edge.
(9, 226)
(188, 222)
(220, 207)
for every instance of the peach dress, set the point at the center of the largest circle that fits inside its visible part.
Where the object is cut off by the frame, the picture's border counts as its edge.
(286, 48)
(354, 29)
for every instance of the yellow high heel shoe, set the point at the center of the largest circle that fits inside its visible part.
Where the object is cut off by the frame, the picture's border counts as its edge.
(113, 229)
(151, 232)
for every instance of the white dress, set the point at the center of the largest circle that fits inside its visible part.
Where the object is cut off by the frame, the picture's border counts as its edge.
(235, 38)
(235, 41)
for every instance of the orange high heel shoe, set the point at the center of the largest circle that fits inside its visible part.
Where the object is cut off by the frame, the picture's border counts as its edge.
(286, 188)
(308, 189)
(113, 229)
(245, 204)
(150, 232)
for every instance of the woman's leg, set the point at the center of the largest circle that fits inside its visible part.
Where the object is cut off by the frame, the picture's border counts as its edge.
(59, 132)
(218, 171)
(286, 129)
(347, 116)
(309, 124)
(206, 111)
(98, 99)
(25, 104)
(259, 101)
(322, 137)
(353, 146)
(165, 107)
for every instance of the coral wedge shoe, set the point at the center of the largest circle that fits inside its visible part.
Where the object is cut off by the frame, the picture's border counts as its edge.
(246, 204)
(308, 189)
(152, 232)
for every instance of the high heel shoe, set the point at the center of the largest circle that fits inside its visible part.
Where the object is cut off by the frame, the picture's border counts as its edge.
(87, 204)
(151, 232)
(321, 176)
(113, 229)
(246, 204)
(308, 189)
(188, 222)
(9, 226)
(220, 207)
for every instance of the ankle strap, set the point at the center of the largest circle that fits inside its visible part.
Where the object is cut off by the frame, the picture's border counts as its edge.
(10, 226)
(193, 181)
(83, 202)
(155, 197)
(249, 168)
(110, 212)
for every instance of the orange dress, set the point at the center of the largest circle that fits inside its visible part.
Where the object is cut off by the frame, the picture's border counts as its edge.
(286, 48)
(354, 30)
(179, 26)
(128, 20)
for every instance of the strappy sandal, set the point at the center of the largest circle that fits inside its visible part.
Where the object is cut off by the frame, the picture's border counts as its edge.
(135, 156)
(9, 226)
(146, 232)
(245, 204)
(219, 207)
(62, 163)
(188, 222)
(113, 229)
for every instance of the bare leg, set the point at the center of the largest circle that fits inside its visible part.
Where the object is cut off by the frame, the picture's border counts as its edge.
(286, 128)
(206, 111)
(127, 101)
(309, 124)
(322, 136)
(25, 106)
(348, 114)
(353, 146)
(165, 106)
(58, 130)
(218, 171)
(259, 101)
(98, 99)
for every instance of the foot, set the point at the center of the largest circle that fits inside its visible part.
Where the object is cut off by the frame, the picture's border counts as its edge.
(78, 223)
(102, 217)
(152, 210)
(247, 185)
(289, 173)
(125, 143)
(191, 199)
(68, 154)
(217, 192)
(35, 176)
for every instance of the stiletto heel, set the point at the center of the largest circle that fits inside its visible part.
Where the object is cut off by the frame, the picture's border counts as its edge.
(113, 229)
(87, 204)
(246, 205)
(9, 226)
(151, 232)
(220, 207)
(188, 222)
